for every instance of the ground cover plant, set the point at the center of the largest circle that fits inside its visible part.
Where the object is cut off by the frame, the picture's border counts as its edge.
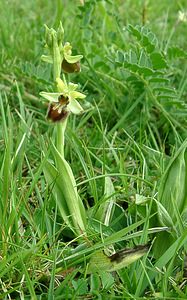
(93, 150)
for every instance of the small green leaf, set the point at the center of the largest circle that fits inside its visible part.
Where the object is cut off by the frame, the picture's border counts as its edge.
(107, 280)
(133, 30)
(94, 282)
(158, 61)
(176, 52)
(80, 286)
(120, 57)
(159, 80)
(145, 37)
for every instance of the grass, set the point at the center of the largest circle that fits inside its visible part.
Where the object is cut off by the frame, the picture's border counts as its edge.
(127, 152)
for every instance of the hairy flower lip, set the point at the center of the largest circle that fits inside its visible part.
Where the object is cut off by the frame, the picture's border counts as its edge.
(71, 67)
(55, 114)
(57, 111)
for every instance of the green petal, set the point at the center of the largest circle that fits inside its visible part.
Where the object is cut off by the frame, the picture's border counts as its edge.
(75, 95)
(72, 59)
(72, 87)
(67, 54)
(67, 48)
(61, 86)
(51, 97)
(75, 107)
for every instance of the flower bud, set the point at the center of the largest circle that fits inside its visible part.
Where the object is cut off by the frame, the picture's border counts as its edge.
(60, 34)
(48, 36)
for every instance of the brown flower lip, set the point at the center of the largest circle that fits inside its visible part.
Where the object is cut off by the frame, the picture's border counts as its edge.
(71, 68)
(57, 111)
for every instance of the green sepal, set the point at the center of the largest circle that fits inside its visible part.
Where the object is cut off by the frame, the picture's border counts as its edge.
(47, 58)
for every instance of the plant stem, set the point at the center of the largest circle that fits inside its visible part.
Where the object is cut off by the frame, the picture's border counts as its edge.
(61, 126)
(56, 58)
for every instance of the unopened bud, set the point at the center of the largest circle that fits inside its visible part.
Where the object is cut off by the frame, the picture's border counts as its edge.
(60, 34)
(48, 36)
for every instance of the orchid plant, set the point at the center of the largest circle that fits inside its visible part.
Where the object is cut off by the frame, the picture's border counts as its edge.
(61, 103)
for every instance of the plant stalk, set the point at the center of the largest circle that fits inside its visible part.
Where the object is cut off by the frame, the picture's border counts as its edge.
(61, 126)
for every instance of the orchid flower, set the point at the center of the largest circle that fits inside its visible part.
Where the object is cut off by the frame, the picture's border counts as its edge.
(65, 98)
(69, 63)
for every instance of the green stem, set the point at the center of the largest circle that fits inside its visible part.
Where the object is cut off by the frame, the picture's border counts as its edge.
(56, 58)
(61, 127)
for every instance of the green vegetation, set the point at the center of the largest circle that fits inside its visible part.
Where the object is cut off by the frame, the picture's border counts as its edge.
(96, 209)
